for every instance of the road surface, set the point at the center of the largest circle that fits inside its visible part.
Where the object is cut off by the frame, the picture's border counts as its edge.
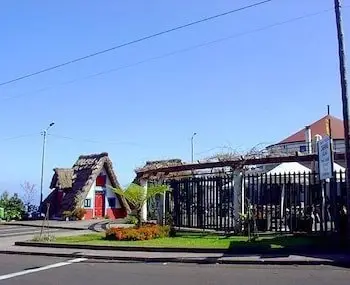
(13, 231)
(36, 270)
(9, 234)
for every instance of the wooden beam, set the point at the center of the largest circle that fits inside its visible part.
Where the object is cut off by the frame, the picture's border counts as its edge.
(235, 163)
(230, 163)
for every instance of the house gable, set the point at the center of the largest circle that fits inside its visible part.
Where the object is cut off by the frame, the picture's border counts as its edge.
(108, 192)
(83, 179)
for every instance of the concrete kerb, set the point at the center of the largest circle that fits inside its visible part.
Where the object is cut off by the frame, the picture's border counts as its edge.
(117, 248)
(209, 260)
(253, 250)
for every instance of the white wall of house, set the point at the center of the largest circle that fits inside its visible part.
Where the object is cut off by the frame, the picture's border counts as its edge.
(108, 192)
(91, 195)
(338, 145)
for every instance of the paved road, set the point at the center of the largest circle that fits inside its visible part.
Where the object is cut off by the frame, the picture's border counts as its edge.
(9, 234)
(30, 270)
(13, 231)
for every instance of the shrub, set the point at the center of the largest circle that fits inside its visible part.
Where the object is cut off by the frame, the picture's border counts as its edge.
(131, 219)
(79, 213)
(145, 232)
(67, 214)
(13, 206)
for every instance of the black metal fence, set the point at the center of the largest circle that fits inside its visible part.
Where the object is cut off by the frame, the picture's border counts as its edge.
(296, 202)
(279, 203)
(206, 202)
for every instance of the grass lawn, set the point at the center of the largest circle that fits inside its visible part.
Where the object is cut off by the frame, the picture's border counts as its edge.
(190, 240)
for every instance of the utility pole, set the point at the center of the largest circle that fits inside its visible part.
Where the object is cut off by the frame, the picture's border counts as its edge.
(192, 147)
(44, 133)
(344, 95)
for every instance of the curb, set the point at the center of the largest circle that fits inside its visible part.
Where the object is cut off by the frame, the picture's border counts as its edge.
(245, 250)
(51, 227)
(209, 260)
(120, 248)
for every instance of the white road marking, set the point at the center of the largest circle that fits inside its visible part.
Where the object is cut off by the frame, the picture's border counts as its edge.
(29, 271)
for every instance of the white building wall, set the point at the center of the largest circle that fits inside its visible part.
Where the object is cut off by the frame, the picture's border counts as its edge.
(108, 194)
(91, 195)
(338, 146)
(108, 191)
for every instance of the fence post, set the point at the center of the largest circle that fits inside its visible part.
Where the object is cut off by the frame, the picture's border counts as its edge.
(238, 204)
(144, 184)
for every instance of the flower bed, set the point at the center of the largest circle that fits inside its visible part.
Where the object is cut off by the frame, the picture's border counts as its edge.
(145, 232)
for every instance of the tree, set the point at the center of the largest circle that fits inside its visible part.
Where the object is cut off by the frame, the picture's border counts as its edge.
(29, 193)
(13, 206)
(136, 196)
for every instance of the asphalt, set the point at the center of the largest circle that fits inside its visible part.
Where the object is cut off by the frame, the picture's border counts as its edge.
(34, 271)
(14, 263)
(16, 230)
(9, 234)
(183, 257)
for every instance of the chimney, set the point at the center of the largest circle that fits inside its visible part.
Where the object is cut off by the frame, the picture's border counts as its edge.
(308, 139)
(314, 163)
(317, 138)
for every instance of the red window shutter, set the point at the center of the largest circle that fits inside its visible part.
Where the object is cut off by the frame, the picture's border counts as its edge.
(101, 180)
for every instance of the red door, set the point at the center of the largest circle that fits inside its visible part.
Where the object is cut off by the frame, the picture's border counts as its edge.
(99, 205)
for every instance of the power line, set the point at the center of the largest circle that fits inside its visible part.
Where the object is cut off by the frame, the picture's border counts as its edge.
(135, 41)
(181, 51)
(94, 141)
(19, 137)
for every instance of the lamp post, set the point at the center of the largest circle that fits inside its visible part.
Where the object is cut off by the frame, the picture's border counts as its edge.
(44, 133)
(345, 103)
(192, 147)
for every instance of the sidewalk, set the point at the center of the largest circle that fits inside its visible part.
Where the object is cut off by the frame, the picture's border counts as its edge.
(182, 257)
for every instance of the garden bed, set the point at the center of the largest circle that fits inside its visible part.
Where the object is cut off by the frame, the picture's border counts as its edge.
(203, 241)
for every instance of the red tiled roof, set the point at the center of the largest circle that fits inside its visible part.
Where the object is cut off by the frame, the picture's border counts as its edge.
(319, 128)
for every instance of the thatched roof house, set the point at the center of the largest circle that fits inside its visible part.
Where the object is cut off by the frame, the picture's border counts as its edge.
(62, 179)
(75, 183)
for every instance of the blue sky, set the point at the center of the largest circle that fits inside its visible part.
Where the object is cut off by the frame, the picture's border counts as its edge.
(250, 89)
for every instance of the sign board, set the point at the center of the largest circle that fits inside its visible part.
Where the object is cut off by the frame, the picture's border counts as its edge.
(325, 158)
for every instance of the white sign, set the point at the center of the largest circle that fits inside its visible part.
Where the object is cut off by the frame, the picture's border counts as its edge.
(325, 159)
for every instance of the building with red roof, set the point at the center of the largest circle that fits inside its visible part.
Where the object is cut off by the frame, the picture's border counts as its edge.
(298, 142)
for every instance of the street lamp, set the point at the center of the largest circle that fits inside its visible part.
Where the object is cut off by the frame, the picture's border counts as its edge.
(44, 133)
(345, 104)
(192, 147)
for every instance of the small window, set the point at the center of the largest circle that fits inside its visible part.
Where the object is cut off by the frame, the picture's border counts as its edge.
(87, 203)
(101, 180)
(111, 202)
(302, 148)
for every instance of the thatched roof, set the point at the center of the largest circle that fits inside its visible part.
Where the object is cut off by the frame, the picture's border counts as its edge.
(83, 174)
(62, 179)
(153, 166)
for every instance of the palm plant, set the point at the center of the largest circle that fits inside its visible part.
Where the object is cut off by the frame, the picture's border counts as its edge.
(137, 196)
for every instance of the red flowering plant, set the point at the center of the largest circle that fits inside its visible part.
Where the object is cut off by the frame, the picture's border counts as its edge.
(142, 233)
